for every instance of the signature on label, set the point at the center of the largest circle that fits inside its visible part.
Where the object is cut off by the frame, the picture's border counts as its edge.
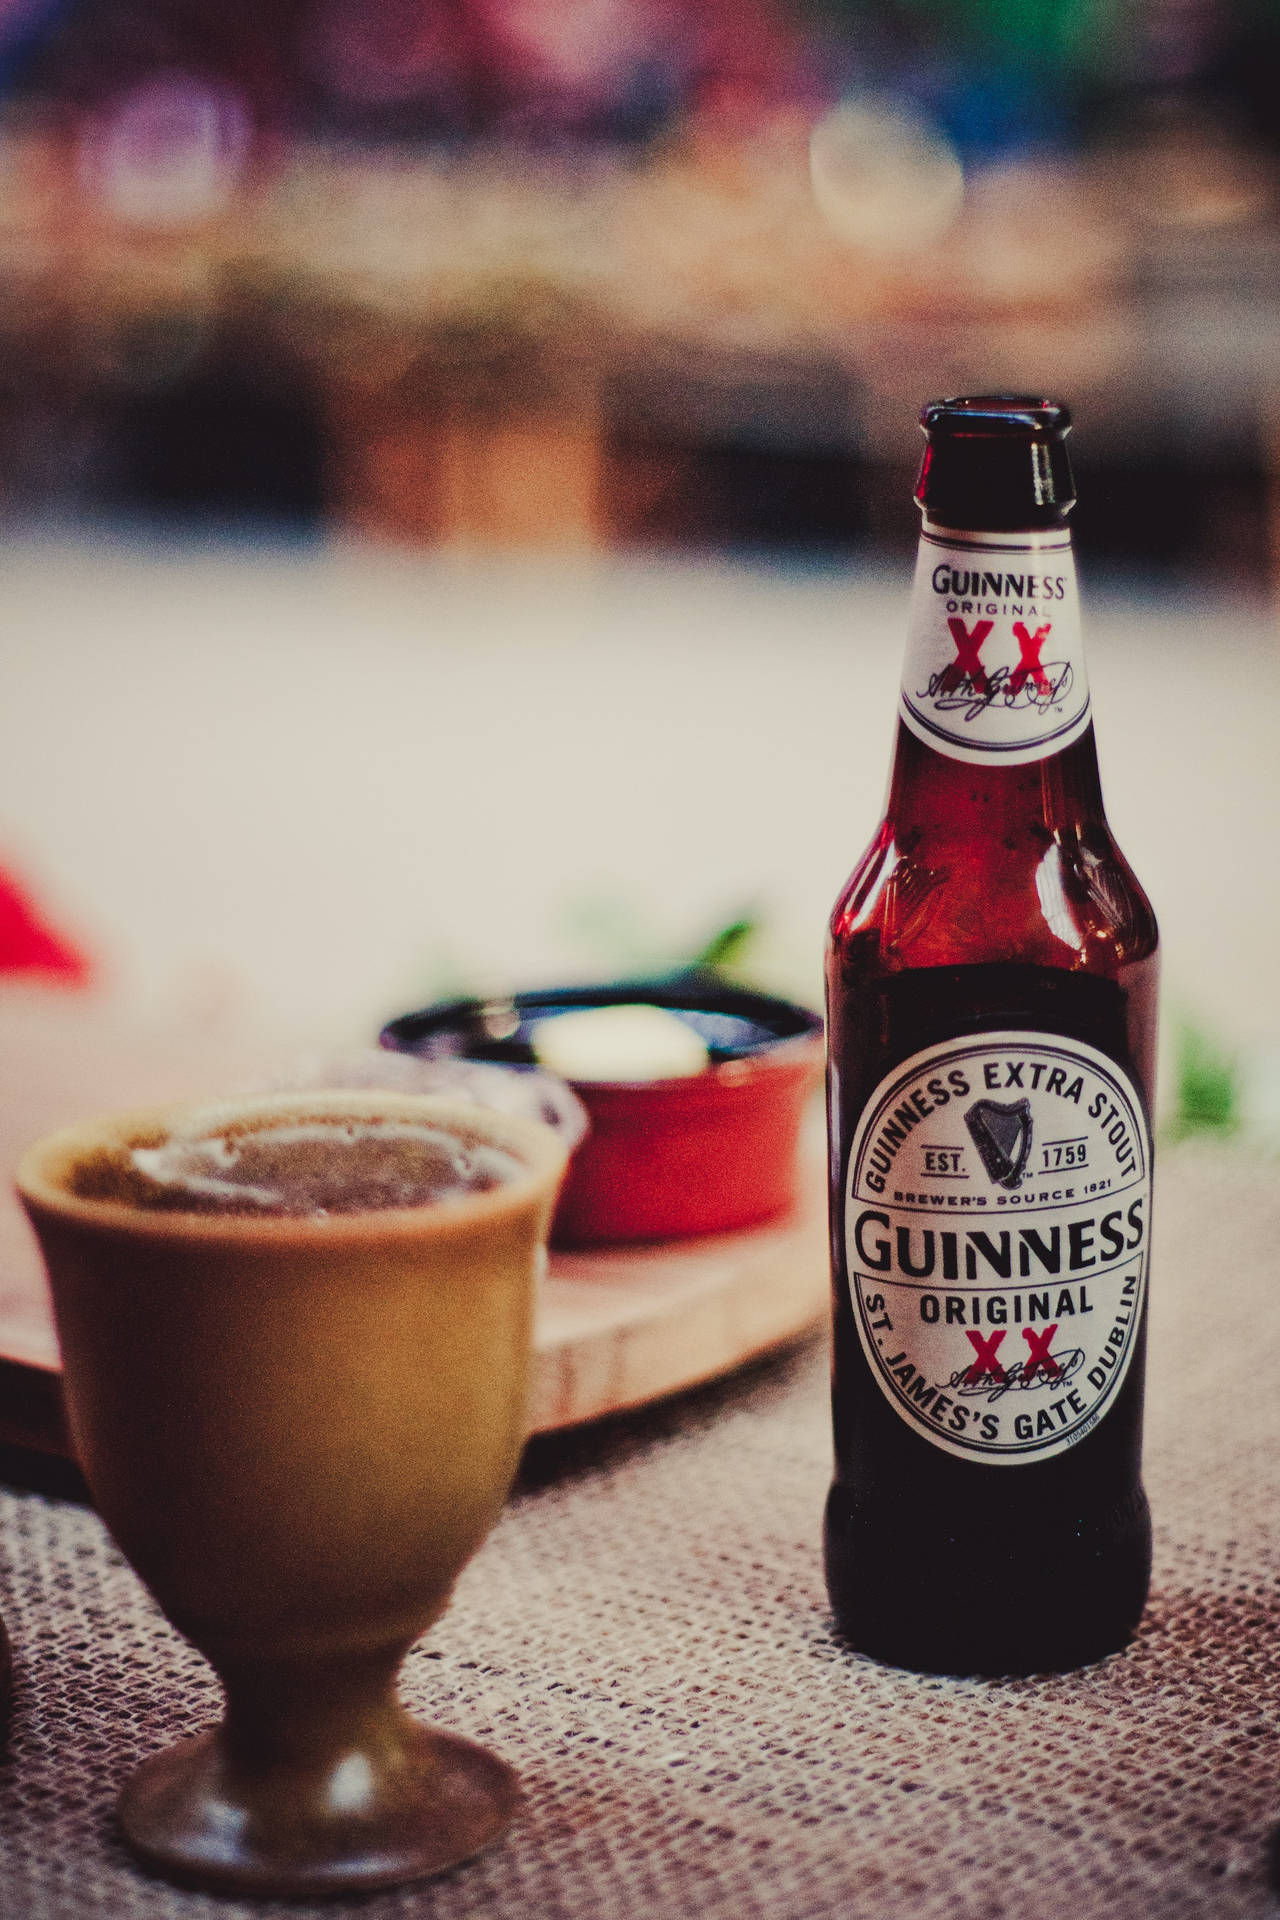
(1004, 687)
(1021, 1376)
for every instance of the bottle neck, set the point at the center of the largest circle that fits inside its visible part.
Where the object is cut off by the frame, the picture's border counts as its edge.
(1061, 791)
(994, 686)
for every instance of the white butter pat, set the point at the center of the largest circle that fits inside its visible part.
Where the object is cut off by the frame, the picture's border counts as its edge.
(618, 1043)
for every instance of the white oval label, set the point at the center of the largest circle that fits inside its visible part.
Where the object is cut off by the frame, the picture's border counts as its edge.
(994, 665)
(997, 1222)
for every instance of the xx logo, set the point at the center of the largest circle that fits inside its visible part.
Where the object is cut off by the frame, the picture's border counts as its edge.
(987, 1367)
(1039, 1354)
(968, 647)
(1030, 647)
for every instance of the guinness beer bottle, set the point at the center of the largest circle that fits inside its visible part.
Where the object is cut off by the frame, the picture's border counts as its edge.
(991, 994)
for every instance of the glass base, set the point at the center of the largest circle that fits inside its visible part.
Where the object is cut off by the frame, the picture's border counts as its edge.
(374, 1819)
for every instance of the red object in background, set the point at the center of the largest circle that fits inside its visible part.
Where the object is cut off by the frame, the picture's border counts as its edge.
(708, 1154)
(28, 946)
(711, 1152)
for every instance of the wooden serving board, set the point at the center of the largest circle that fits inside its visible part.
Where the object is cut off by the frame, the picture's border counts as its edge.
(616, 1328)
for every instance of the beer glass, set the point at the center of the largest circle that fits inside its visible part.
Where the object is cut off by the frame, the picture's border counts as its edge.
(299, 1428)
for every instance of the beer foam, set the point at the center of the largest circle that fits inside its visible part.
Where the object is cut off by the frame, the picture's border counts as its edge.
(300, 1165)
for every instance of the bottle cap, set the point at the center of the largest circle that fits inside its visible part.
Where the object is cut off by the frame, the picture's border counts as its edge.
(996, 462)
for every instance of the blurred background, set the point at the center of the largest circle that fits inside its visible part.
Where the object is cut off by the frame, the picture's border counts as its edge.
(456, 458)
(637, 273)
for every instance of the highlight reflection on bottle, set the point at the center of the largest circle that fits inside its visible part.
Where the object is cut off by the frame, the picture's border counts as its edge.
(991, 993)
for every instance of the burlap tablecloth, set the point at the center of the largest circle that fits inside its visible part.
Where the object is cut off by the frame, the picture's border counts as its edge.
(646, 1637)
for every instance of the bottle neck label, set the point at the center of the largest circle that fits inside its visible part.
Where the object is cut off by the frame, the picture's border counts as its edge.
(994, 668)
(997, 1211)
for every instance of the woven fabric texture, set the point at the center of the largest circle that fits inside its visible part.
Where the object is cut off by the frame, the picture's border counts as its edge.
(645, 1636)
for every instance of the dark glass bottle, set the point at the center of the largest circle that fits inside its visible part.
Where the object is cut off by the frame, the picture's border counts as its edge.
(991, 998)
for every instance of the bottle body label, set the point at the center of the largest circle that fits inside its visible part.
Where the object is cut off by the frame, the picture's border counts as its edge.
(994, 667)
(997, 1204)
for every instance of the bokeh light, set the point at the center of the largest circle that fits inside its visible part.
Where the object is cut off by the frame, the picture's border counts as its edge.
(168, 151)
(883, 177)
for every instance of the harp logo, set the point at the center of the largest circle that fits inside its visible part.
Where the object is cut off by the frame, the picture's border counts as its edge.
(1002, 1135)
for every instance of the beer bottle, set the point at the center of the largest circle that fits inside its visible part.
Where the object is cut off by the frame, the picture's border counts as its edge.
(991, 994)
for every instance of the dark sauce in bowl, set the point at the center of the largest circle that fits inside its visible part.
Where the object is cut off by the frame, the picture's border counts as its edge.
(733, 1023)
(709, 1152)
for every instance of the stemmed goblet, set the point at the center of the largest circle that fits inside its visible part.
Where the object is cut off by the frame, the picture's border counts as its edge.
(299, 1428)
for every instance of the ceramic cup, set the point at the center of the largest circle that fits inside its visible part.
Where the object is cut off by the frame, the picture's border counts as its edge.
(298, 1430)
